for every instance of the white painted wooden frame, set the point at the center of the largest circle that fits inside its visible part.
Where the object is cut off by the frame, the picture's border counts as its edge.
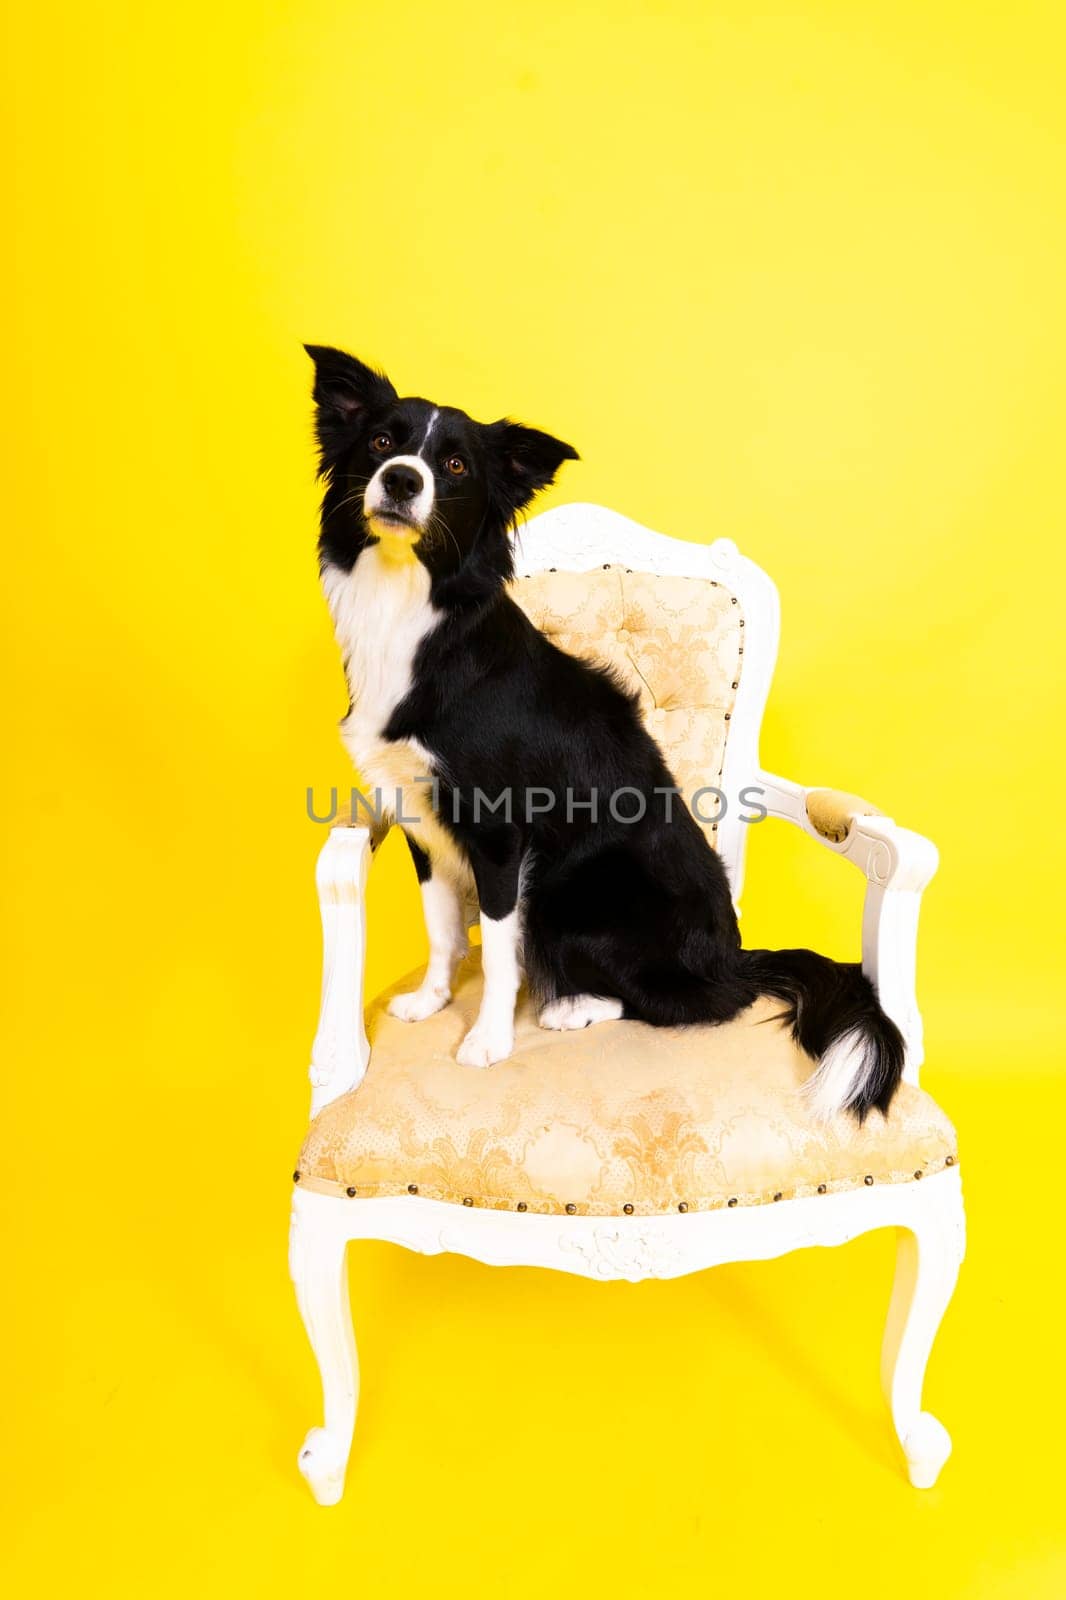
(929, 1215)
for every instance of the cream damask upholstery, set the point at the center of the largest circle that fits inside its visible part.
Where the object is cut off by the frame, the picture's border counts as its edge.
(678, 642)
(616, 1119)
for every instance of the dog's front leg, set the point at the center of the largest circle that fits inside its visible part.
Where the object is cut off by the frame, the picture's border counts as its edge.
(498, 876)
(443, 907)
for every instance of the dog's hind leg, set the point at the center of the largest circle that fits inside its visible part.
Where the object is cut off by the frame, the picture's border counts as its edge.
(579, 1011)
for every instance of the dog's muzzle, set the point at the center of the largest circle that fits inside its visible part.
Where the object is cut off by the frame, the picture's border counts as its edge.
(399, 497)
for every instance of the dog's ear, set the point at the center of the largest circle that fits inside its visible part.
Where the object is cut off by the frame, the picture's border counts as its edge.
(528, 459)
(345, 390)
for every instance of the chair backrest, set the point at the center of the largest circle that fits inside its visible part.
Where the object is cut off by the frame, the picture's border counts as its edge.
(693, 628)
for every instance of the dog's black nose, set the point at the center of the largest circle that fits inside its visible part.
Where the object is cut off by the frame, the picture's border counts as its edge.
(402, 483)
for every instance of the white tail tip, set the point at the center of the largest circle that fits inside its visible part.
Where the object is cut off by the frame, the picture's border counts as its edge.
(838, 1076)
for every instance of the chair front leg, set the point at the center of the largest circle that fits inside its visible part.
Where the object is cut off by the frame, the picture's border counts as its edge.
(929, 1254)
(319, 1268)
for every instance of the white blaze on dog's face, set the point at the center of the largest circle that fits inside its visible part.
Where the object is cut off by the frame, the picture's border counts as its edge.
(398, 501)
(417, 458)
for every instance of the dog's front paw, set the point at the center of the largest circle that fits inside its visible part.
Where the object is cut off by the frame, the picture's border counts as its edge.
(482, 1046)
(419, 1003)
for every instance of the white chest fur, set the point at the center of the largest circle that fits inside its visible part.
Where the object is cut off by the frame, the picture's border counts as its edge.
(381, 614)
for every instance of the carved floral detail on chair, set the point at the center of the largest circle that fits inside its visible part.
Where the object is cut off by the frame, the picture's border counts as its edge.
(626, 1253)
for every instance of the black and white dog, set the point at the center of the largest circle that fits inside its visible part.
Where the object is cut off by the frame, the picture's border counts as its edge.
(448, 677)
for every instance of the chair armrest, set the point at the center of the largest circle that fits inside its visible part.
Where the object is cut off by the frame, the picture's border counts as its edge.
(897, 864)
(340, 1051)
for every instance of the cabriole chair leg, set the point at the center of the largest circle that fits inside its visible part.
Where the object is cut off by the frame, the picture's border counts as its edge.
(318, 1263)
(929, 1254)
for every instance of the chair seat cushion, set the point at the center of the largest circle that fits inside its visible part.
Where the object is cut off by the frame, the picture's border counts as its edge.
(618, 1118)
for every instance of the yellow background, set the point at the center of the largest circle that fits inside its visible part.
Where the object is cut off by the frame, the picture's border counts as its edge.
(791, 274)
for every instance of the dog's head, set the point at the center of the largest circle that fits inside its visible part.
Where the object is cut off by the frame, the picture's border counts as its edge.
(421, 478)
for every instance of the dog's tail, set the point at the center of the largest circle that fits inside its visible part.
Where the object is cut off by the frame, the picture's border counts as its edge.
(835, 1017)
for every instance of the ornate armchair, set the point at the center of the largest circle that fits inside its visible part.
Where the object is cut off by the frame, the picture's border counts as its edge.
(624, 1151)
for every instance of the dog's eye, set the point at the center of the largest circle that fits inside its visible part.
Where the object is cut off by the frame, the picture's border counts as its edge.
(456, 466)
(381, 442)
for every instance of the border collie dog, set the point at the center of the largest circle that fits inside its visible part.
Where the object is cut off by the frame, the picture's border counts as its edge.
(449, 681)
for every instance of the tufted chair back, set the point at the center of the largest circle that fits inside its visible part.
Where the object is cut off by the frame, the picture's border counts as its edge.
(677, 641)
